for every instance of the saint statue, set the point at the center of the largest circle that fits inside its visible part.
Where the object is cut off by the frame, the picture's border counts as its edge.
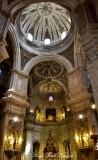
(11, 141)
(85, 139)
(96, 146)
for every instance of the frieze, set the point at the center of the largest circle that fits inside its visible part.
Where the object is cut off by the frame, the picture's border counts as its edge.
(82, 123)
(15, 125)
(13, 113)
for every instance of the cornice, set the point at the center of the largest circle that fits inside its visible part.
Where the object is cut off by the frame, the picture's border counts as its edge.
(15, 101)
(19, 73)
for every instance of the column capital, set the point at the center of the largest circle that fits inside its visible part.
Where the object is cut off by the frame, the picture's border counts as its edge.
(29, 127)
(15, 100)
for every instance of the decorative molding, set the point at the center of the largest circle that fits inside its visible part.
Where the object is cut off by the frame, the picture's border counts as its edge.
(20, 73)
(16, 101)
(29, 127)
(10, 153)
(15, 125)
(13, 113)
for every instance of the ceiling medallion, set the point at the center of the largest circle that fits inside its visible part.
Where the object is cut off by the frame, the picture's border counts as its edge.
(48, 69)
(45, 9)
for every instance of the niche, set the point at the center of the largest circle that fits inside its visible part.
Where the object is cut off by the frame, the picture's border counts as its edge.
(51, 114)
(36, 147)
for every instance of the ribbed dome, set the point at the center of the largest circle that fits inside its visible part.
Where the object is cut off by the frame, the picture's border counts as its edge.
(45, 23)
(45, 89)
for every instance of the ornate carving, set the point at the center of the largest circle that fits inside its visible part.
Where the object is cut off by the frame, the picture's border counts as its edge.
(41, 26)
(48, 69)
(10, 153)
(86, 151)
(50, 149)
(13, 138)
(83, 123)
(69, 54)
(14, 125)
(39, 48)
(89, 40)
(25, 56)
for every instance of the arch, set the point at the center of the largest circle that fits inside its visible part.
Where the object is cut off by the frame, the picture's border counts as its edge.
(36, 147)
(15, 47)
(60, 83)
(65, 62)
(17, 4)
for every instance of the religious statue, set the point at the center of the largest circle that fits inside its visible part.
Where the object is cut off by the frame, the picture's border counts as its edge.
(11, 141)
(85, 139)
(37, 114)
(96, 146)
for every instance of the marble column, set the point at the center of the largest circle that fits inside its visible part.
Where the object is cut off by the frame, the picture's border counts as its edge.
(29, 142)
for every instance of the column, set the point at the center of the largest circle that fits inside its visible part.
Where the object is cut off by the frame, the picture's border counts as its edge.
(88, 30)
(29, 142)
(16, 103)
(80, 105)
(5, 19)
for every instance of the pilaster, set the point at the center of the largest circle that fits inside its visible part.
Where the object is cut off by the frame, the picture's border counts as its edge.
(17, 92)
(88, 30)
(89, 41)
(14, 114)
(81, 111)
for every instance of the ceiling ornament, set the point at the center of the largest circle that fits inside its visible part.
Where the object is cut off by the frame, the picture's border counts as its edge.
(45, 21)
(44, 27)
(45, 89)
(48, 69)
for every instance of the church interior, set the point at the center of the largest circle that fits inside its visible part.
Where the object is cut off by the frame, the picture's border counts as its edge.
(48, 80)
